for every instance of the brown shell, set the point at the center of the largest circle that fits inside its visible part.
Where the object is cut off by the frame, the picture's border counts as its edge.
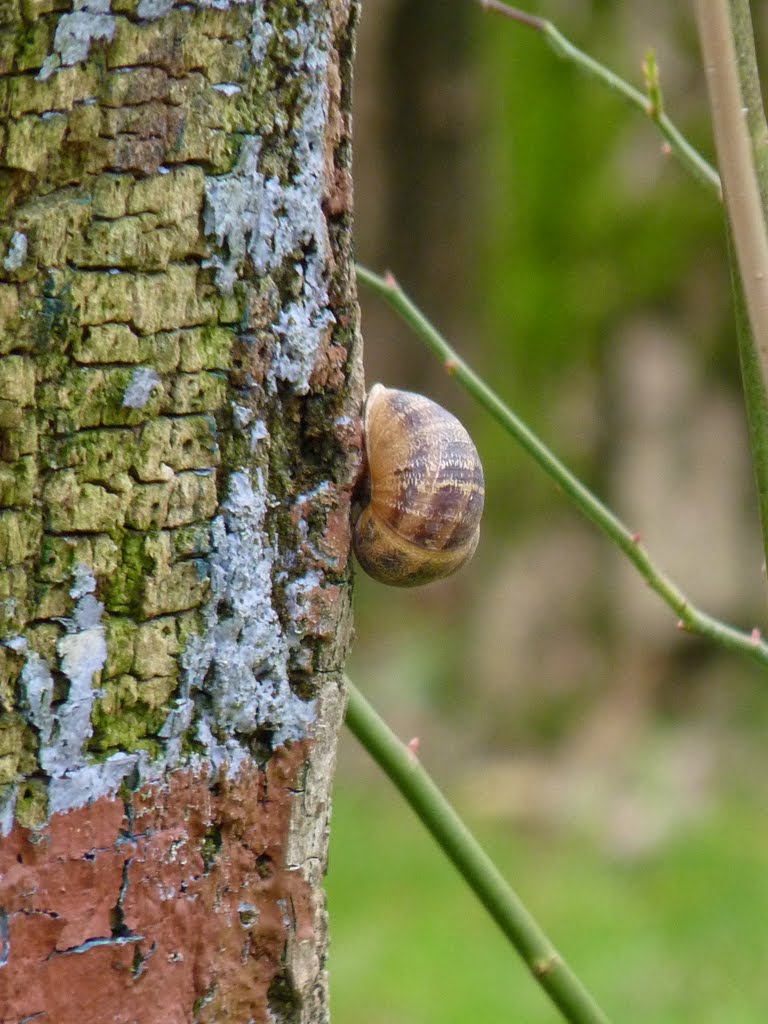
(426, 490)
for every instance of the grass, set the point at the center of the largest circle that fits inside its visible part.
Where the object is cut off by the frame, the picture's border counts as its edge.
(680, 936)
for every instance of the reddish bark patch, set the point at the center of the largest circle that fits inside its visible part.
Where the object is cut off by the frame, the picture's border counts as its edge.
(329, 367)
(174, 907)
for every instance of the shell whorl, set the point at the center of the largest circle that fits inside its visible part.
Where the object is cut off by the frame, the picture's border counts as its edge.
(426, 490)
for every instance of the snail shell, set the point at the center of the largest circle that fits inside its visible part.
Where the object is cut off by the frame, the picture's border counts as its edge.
(423, 491)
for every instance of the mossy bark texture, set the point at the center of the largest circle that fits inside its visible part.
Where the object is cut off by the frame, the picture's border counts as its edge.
(179, 435)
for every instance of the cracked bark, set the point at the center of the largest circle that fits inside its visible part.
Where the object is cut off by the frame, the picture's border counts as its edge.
(179, 395)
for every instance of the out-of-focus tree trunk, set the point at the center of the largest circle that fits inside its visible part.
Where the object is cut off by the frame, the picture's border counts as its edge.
(179, 388)
(417, 144)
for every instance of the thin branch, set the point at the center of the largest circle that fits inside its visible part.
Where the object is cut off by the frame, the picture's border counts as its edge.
(407, 773)
(689, 616)
(679, 145)
(735, 126)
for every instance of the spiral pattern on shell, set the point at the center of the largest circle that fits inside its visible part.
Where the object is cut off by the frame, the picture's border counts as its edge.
(425, 490)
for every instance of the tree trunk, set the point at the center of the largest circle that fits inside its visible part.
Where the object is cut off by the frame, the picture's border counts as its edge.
(179, 395)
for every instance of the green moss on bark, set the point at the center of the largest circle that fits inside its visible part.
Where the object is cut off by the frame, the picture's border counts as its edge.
(31, 809)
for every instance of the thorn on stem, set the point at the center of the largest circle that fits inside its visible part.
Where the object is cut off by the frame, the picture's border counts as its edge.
(413, 747)
(755, 636)
(389, 279)
(635, 538)
(450, 366)
(542, 967)
(681, 625)
(666, 149)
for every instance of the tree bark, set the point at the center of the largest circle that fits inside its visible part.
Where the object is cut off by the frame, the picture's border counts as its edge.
(179, 434)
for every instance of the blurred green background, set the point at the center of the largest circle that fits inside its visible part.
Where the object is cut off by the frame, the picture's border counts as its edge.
(615, 767)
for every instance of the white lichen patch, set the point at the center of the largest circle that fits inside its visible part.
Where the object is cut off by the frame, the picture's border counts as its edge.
(17, 251)
(223, 5)
(240, 660)
(64, 727)
(7, 809)
(227, 88)
(241, 415)
(303, 506)
(258, 433)
(140, 387)
(90, 20)
(152, 9)
(280, 224)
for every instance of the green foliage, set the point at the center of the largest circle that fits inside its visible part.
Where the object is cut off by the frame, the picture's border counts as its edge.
(581, 225)
(574, 234)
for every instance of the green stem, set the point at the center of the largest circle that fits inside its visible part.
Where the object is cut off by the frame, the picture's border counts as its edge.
(689, 616)
(407, 773)
(739, 126)
(749, 77)
(679, 145)
(755, 395)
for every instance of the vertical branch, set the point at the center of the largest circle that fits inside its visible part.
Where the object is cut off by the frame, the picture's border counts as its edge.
(755, 394)
(729, 59)
(749, 79)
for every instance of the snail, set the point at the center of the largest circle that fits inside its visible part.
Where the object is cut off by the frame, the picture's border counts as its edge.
(422, 491)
